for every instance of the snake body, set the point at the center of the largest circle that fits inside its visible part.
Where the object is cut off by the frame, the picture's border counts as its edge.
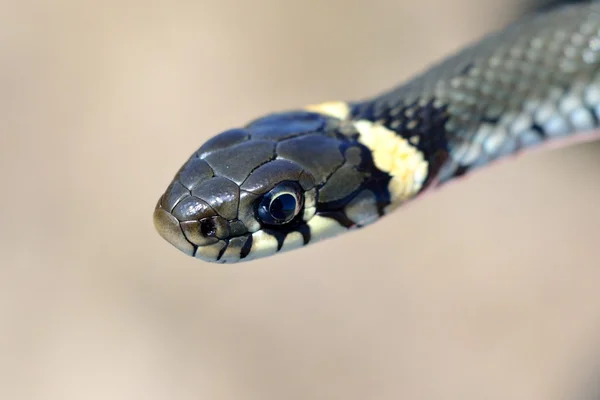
(291, 178)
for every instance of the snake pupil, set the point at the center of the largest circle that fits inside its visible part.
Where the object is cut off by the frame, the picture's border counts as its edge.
(283, 207)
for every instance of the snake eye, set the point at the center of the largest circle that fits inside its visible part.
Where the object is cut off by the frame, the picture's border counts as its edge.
(281, 205)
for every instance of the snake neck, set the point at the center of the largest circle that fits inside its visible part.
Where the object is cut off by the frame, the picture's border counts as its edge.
(526, 87)
(407, 145)
(422, 124)
(518, 89)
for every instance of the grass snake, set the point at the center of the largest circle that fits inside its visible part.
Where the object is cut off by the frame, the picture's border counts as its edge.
(291, 178)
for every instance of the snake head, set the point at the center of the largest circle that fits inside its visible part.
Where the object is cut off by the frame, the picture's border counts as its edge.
(279, 183)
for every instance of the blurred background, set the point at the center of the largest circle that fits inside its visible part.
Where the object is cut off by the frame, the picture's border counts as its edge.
(486, 290)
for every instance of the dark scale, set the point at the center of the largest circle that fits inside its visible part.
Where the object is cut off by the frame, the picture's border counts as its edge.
(340, 217)
(223, 250)
(286, 125)
(466, 69)
(246, 248)
(316, 153)
(594, 116)
(305, 232)
(461, 170)
(279, 235)
(488, 119)
(421, 122)
(358, 166)
(539, 130)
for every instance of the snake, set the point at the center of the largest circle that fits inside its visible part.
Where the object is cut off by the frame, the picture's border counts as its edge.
(294, 177)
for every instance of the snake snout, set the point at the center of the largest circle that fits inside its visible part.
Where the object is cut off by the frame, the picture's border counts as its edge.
(195, 228)
(168, 228)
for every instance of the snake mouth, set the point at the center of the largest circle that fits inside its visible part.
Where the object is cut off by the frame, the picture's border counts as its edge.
(228, 250)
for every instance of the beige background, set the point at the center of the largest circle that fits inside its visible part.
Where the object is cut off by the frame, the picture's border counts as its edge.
(485, 290)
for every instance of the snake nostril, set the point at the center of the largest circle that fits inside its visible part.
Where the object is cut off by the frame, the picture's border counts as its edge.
(208, 228)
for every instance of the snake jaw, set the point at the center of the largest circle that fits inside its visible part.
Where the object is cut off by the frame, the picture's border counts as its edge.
(225, 251)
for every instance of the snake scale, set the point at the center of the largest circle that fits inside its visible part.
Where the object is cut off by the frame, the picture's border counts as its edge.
(291, 178)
